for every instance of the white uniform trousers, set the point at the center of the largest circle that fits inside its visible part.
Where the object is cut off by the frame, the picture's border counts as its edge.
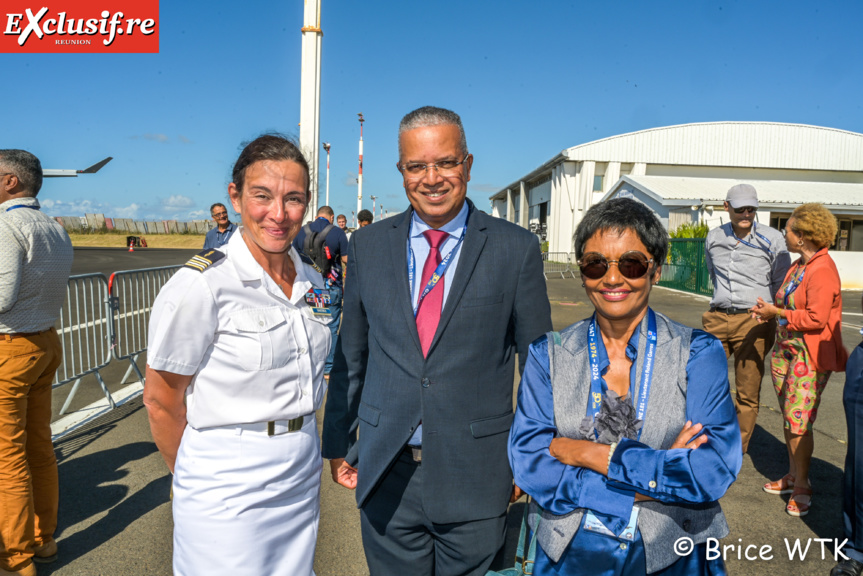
(245, 502)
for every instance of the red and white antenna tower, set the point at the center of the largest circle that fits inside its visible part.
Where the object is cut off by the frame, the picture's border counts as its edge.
(327, 148)
(360, 176)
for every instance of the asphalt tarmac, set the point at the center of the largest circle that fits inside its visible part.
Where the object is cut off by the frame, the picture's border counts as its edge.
(115, 516)
(110, 260)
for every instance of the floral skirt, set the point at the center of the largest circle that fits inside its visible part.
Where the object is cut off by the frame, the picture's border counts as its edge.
(798, 385)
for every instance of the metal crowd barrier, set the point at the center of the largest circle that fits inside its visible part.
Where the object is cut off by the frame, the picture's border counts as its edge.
(84, 329)
(556, 263)
(132, 293)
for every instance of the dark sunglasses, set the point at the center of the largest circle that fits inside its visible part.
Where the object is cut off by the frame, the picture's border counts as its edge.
(632, 265)
(743, 209)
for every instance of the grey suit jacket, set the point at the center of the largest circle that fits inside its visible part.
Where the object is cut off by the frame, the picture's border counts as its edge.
(462, 392)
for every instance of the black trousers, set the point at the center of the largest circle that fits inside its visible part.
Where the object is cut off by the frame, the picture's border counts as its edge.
(852, 398)
(399, 538)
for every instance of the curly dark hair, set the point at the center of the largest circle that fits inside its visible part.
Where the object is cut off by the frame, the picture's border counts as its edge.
(815, 222)
(619, 215)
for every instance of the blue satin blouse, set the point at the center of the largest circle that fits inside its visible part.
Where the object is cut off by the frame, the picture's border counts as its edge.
(682, 475)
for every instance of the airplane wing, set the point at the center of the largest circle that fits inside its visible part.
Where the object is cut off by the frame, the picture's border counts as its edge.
(54, 173)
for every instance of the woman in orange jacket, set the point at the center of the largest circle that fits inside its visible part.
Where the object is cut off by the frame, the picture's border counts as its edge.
(808, 342)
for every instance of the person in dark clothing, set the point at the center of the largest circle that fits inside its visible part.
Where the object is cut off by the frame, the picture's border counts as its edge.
(364, 218)
(852, 398)
(219, 236)
(336, 243)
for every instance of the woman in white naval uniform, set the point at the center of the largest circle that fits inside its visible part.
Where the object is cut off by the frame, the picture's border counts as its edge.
(234, 376)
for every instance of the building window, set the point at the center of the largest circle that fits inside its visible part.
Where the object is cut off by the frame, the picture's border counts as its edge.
(597, 183)
(539, 181)
(516, 205)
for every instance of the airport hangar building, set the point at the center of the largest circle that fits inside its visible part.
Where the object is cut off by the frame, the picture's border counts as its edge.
(683, 173)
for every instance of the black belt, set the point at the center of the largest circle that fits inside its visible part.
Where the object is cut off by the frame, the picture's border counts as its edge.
(414, 452)
(729, 311)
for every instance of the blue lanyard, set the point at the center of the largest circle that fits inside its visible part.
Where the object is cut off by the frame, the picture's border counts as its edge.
(437, 274)
(22, 206)
(754, 231)
(792, 286)
(646, 375)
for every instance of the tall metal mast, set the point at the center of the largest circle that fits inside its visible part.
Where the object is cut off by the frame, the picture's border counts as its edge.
(310, 96)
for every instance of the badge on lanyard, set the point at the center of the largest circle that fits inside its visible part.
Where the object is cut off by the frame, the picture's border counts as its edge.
(789, 289)
(596, 382)
(318, 300)
(594, 524)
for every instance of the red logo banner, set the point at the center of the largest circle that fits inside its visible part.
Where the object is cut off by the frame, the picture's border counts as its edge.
(79, 26)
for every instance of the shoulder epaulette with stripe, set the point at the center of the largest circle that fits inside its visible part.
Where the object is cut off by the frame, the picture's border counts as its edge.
(204, 259)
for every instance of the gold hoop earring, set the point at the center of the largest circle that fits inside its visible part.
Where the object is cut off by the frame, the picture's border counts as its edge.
(800, 243)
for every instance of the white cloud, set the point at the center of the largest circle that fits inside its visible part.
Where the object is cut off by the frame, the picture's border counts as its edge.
(178, 201)
(351, 179)
(73, 207)
(175, 207)
(130, 211)
(157, 137)
(183, 139)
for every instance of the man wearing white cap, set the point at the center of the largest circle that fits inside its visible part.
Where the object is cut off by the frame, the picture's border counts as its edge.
(746, 261)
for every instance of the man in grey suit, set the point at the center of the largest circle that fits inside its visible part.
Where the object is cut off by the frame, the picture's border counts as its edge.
(438, 302)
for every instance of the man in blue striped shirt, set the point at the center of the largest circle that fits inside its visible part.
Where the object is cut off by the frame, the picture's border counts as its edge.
(746, 260)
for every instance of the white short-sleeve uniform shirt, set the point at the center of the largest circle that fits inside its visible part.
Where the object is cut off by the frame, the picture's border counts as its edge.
(255, 355)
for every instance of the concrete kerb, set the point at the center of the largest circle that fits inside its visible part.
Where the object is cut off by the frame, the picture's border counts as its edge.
(79, 418)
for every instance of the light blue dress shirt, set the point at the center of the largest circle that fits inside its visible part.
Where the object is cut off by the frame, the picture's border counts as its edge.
(420, 247)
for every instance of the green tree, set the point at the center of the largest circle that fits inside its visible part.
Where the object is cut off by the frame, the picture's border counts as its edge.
(690, 230)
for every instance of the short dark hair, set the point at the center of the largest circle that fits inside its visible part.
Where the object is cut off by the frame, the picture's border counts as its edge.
(365, 216)
(325, 211)
(432, 116)
(25, 166)
(216, 205)
(619, 215)
(272, 146)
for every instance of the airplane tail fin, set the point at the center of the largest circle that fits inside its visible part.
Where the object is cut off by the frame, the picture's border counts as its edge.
(95, 167)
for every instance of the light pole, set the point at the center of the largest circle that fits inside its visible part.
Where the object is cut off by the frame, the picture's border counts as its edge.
(327, 148)
(353, 219)
(373, 204)
(360, 176)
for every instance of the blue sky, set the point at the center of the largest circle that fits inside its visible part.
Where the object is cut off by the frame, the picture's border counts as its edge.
(528, 78)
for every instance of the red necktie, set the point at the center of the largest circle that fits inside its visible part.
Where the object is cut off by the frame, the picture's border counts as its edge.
(428, 315)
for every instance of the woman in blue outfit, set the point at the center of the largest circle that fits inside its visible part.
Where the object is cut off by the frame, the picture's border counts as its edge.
(625, 434)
